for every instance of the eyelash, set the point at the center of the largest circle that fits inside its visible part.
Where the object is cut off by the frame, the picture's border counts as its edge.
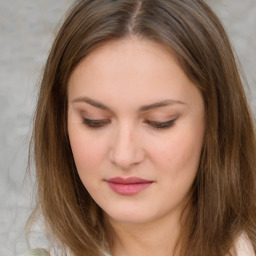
(161, 125)
(96, 124)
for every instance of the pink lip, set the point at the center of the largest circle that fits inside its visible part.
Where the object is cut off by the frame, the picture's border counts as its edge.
(128, 186)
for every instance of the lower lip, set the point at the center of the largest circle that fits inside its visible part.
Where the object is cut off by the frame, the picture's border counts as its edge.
(128, 189)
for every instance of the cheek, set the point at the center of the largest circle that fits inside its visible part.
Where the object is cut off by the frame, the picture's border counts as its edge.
(179, 167)
(180, 153)
(178, 150)
(87, 151)
(88, 157)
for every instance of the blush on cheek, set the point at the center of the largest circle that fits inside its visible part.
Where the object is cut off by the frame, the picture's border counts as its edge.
(183, 153)
(87, 154)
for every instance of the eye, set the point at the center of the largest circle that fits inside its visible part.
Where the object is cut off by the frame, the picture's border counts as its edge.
(95, 123)
(161, 125)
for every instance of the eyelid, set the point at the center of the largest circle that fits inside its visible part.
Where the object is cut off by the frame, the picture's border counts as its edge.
(161, 125)
(95, 123)
(99, 123)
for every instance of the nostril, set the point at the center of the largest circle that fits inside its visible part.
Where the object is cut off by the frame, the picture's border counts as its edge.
(127, 157)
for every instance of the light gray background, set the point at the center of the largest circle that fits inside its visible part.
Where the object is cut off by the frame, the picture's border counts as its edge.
(27, 28)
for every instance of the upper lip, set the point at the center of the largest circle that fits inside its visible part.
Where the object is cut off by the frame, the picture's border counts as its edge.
(130, 180)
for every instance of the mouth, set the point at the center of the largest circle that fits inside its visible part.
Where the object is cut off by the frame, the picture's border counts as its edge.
(128, 186)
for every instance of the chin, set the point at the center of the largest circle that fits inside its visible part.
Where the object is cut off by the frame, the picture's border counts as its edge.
(129, 216)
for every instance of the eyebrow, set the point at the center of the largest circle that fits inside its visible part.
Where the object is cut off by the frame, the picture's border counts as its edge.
(160, 104)
(91, 102)
(155, 105)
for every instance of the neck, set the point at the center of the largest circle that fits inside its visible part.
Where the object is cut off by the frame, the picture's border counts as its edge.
(157, 238)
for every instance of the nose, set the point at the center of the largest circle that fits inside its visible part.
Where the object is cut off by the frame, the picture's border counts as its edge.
(126, 150)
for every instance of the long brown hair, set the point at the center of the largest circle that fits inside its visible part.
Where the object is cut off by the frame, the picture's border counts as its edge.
(223, 198)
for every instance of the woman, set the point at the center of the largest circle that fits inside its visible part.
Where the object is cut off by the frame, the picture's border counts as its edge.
(143, 139)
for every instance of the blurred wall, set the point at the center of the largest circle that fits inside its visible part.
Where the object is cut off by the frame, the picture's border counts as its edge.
(27, 29)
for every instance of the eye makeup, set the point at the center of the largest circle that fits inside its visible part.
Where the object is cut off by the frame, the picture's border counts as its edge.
(96, 123)
(161, 125)
(99, 123)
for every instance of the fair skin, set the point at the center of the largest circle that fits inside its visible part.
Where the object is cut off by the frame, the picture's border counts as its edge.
(136, 127)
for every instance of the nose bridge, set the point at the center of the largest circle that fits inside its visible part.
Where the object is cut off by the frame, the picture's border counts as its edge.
(126, 149)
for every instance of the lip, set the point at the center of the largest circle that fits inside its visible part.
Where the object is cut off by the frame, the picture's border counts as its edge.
(128, 186)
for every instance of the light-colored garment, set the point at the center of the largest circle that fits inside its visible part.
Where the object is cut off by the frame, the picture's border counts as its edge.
(243, 247)
(41, 252)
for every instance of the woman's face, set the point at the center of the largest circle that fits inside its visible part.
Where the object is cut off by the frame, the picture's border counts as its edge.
(136, 127)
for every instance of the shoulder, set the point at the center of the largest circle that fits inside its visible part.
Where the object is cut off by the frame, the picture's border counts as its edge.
(244, 246)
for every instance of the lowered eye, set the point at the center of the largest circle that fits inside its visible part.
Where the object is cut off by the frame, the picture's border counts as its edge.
(92, 123)
(161, 125)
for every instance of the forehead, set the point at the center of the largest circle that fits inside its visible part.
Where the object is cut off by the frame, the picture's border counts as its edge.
(132, 55)
(130, 68)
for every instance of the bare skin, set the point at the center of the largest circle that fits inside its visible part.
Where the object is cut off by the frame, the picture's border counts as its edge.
(133, 114)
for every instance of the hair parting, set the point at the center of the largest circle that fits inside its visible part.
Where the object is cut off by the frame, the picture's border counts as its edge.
(222, 204)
